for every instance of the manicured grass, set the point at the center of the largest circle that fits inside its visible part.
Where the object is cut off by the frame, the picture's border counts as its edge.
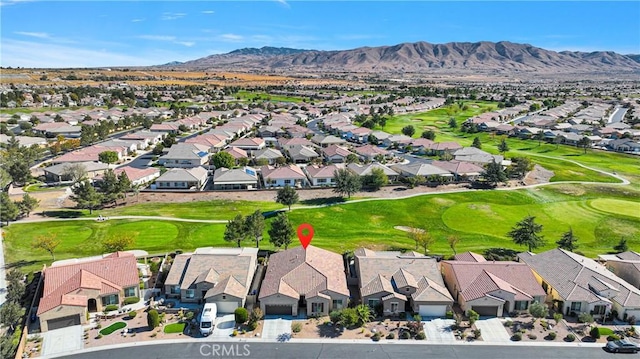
(112, 328)
(263, 96)
(605, 331)
(40, 187)
(174, 328)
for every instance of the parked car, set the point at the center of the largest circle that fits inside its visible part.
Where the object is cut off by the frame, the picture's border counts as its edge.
(622, 346)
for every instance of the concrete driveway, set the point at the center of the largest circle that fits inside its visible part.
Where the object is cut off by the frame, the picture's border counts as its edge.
(492, 330)
(439, 330)
(224, 326)
(62, 340)
(277, 328)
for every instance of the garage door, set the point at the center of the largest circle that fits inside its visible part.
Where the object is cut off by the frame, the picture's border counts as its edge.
(432, 310)
(63, 322)
(486, 310)
(226, 307)
(278, 310)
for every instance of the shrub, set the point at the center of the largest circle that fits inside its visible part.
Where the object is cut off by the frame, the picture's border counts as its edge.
(335, 316)
(421, 336)
(473, 316)
(252, 325)
(376, 337)
(235, 333)
(131, 300)
(544, 324)
(189, 316)
(242, 315)
(631, 320)
(98, 326)
(99, 336)
(557, 317)
(449, 314)
(508, 323)
(391, 336)
(570, 337)
(154, 267)
(585, 318)
(516, 337)
(111, 308)
(477, 333)
(132, 314)
(613, 337)
(153, 319)
(349, 317)
(532, 336)
(405, 335)
(594, 333)
(552, 336)
(296, 327)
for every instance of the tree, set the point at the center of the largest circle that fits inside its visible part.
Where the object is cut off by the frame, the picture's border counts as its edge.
(15, 286)
(255, 226)
(453, 123)
(241, 315)
(375, 180)
(27, 205)
(352, 158)
(408, 130)
(281, 231)
(19, 172)
(86, 196)
(429, 135)
(223, 159)
(453, 241)
(236, 231)
(494, 174)
(10, 314)
(422, 238)
(473, 316)
(108, 157)
(287, 196)
(118, 242)
(347, 182)
(503, 146)
(568, 241)
(584, 143)
(539, 136)
(538, 310)
(415, 234)
(383, 120)
(520, 166)
(621, 246)
(46, 242)
(124, 184)
(9, 211)
(153, 319)
(526, 233)
(476, 143)
(364, 314)
(109, 186)
(76, 171)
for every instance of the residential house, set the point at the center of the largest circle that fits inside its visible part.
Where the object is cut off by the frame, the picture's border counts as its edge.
(396, 140)
(421, 169)
(492, 288)
(462, 171)
(624, 145)
(302, 154)
(290, 175)
(185, 155)
(238, 154)
(151, 138)
(213, 141)
(335, 154)
(440, 148)
(311, 281)
(213, 275)
(289, 143)
(233, 179)
(138, 176)
(476, 156)
(367, 169)
(325, 141)
(579, 284)
(183, 179)
(401, 282)
(322, 176)
(72, 289)
(60, 172)
(271, 155)
(370, 152)
(625, 265)
(249, 145)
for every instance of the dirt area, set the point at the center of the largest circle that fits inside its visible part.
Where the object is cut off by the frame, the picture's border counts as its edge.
(539, 174)
(323, 328)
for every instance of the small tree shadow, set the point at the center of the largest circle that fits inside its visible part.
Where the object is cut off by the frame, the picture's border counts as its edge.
(63, 214)
(327, 201)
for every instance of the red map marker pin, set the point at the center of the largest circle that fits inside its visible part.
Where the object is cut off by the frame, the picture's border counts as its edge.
(305, 239)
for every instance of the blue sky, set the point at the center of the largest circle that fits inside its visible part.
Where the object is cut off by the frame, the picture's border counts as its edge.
(118, 33)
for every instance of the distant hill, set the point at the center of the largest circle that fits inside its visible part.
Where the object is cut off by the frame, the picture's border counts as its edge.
(500, 56)
(172, 63)
(634, 57)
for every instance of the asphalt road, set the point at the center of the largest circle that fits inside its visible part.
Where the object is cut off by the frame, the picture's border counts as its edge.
(337, 351)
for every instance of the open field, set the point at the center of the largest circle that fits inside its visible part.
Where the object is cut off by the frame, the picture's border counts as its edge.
(488, 215)
(263, 96)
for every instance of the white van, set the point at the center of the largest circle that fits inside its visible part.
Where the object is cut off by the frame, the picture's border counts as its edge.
(208, 318)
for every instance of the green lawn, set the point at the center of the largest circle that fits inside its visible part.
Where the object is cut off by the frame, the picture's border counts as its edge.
(113, 327)
(263, 96)
(40, 187)
(174, 328)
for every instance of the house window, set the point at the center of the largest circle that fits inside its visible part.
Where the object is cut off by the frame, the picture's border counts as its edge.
(110, 299)
(599, 310)
(130, 292)
(394, 307)
(521, 305)
(576, 306)
(337, 304)
(224, 297)
(322, 180)
(191, 293)
(175, 289)
(317, 307)
(287, 181)
(373, 302)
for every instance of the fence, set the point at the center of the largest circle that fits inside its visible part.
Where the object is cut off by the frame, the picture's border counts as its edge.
(27, 317)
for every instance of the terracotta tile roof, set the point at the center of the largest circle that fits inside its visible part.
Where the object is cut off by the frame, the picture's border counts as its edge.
(335, 150)
(297, 271)
(469, 257)
(324, 171)
(228, 285)
(379, 284)
(370, 150)
(109, 274)
(396, 296)
(135, 174)
(431, 291)
(285, 172)
(237, 152)
(402, 278)
(247, 142)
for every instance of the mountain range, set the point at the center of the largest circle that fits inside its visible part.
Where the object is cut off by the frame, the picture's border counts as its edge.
(483, 56)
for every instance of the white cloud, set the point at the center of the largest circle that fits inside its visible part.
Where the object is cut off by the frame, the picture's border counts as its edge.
(40, 35)
(185, 43)
(231, 37)
(137, 20)
(284, 3)
(13, 2)
(172, 15)
(207, 12)
(157, 37)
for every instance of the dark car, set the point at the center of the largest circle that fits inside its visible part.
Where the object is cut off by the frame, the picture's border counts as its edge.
(622, 346)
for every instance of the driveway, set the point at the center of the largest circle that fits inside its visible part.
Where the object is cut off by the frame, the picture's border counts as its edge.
(439, 330)
(62, 340)
(492, 330)
(277, 328)
(224, 326)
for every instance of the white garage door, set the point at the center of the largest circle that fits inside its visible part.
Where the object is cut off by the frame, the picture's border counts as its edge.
(432, 310)
(226, 307)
